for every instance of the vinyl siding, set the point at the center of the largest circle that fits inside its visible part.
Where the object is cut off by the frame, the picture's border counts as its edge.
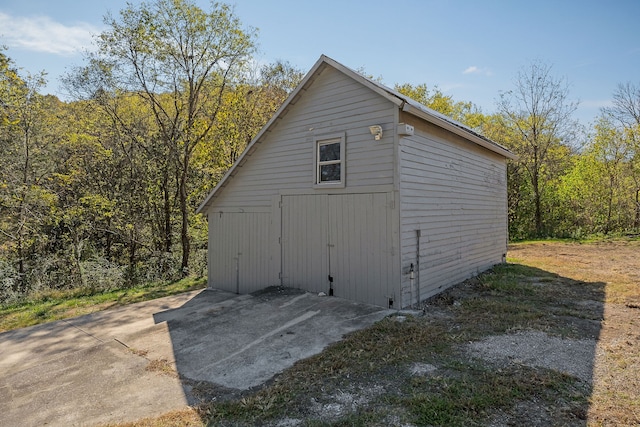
(286, 220)
(268, 224)
(283, 161)
(454, 192)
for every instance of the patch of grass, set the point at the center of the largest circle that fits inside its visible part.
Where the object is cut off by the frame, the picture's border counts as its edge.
(518, 297)
(555, 287)
(364, 354)
(363, 418)
(162, 366)
(476, 392)
(460, 390)
(56, 305)
(490, 316)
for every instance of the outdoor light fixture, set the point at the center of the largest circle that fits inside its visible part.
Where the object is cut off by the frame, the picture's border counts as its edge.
(376, 131)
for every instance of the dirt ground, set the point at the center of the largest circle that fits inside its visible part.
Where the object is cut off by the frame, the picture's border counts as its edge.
(615, 398)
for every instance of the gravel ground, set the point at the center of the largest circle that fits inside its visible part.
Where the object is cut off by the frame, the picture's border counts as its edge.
(537, 349)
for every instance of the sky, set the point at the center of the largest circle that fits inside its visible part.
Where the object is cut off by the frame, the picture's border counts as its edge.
(471, 50)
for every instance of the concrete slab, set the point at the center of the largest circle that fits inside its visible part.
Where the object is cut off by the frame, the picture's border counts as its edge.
(149, 358)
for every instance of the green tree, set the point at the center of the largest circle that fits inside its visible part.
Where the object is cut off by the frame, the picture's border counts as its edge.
(180, 60)
(24, 160)
(626, 112)
(244, 111)
(598, 185)
(539, 113)
(464, 112)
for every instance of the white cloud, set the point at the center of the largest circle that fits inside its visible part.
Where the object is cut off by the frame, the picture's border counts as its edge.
(42, 34)
(477, 70)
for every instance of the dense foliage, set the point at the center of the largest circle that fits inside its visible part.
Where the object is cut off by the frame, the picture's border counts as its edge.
(100, 191)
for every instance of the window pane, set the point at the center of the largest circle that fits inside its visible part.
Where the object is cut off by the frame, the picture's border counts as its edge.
(330, 152)
(330, 173)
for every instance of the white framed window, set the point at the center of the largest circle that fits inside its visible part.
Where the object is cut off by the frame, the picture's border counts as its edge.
(329, 159)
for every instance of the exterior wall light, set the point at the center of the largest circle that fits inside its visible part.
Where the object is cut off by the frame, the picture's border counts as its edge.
(376, 131)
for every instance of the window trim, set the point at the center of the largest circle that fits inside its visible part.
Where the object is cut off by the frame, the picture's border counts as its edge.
(323, 140)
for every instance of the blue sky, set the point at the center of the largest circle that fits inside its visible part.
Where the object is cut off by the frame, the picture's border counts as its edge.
(470, 49)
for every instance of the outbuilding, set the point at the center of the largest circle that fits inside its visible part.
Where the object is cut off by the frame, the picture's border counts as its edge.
(357, 191)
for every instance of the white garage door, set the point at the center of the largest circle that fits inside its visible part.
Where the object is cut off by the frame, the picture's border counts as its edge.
(346, 236)
(241, 252)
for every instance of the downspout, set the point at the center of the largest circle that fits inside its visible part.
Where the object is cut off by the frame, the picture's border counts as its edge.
(418, 234)
(412, 277)
(238, 273)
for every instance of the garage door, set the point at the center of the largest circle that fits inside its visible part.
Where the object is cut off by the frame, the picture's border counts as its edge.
(346, 236)
(241, 252)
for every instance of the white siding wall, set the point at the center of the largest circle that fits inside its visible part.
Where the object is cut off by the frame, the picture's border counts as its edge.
(283, 162)
(454, 193)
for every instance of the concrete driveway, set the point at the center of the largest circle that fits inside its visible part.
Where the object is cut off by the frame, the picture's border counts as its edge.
(152, 357)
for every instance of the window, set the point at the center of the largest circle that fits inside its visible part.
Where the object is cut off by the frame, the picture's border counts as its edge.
(329, 157)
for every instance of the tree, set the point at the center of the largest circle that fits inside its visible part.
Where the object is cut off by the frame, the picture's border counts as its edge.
(24, 159)
(244, 111)
(539, 111)
(602, 168)
(626, 111)
(626, 105)
(180, 61)
(464, 112)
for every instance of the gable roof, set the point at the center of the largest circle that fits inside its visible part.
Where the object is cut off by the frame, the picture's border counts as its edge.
(402, 101)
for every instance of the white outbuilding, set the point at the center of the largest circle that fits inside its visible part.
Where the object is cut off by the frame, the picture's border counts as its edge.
(358, 191)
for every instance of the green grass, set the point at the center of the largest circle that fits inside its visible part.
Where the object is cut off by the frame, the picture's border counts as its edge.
(476, 392)
(586, 239)
(56, 305)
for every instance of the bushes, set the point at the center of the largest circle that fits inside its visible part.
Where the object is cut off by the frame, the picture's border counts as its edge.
(96, 274)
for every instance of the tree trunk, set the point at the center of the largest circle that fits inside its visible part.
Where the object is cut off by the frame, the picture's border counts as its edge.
(636, 220)
(607, 226)
(20, 284)
(537, 203)
(77, 259)
(132, 255)
(184, 232)
(109, 240)
(167, 212)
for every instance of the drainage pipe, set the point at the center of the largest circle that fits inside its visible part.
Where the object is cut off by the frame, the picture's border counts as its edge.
(418, 234)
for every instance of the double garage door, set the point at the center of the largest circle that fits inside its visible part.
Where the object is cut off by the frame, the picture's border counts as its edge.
(343, 242)
(347, 237)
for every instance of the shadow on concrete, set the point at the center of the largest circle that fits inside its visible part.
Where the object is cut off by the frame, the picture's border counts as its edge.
(81, 371)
